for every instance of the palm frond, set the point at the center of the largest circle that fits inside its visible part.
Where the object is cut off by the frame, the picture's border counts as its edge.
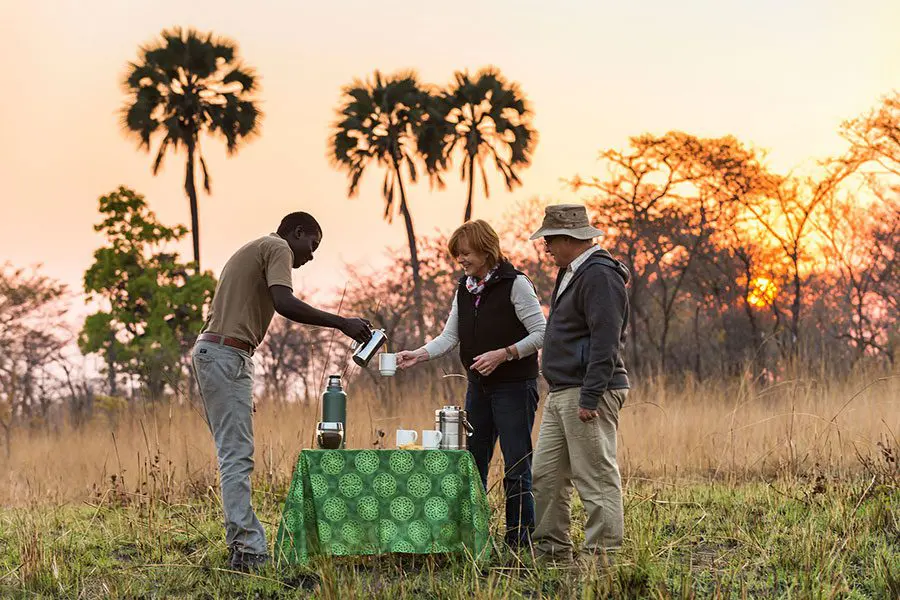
(199, 58)
(150, 95)
(161, 154)
(178, 81)
(207, 182)
(411, 165)
(382, 121)
(243, 76)
(484, 179)
(247, 119)
(137, 120)
(341, 146)
(224, 48)
(509, 175)
(523, 145)
(164, 58)
(356, 173)
(141, 75)
(364, 101)
(389, 195)
(490, 116)
(178, 133)
(236, 120)
(434, 140)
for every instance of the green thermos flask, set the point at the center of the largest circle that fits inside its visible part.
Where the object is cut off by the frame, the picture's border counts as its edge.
(334, 404)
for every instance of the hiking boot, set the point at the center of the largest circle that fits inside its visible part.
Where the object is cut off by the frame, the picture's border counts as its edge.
(595, 562)
(247, 561)
(560, 559)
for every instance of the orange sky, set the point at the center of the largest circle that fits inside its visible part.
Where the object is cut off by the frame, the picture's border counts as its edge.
(780, 74)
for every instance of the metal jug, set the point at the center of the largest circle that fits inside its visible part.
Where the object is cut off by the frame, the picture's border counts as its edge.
(365, 352)
(455, 429)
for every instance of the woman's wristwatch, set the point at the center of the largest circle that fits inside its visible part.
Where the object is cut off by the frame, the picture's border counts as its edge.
(509, 354)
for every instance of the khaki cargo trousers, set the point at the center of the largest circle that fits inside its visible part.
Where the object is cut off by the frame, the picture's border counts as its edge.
(584, 454)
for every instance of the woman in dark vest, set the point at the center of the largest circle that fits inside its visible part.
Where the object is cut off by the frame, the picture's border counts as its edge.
(497, 321)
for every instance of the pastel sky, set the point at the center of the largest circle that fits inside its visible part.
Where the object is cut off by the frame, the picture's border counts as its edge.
(781, 74)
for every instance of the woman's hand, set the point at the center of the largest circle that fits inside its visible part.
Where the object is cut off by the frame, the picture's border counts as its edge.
(410, 358)
(487, 362)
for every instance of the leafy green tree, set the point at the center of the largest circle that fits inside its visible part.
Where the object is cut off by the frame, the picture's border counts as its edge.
(153, 310)
(183, 85)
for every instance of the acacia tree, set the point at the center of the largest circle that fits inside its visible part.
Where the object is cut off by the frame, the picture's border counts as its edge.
(661, 205)
(875, 137)
(860, 248)
(742, 274)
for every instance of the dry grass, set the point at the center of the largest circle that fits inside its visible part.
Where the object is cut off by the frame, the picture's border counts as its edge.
(727, 431)
(730, 492)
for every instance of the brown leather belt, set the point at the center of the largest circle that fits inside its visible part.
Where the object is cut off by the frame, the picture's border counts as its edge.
(226, 341)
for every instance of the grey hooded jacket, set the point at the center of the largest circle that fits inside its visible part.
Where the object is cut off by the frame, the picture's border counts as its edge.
(584, 343)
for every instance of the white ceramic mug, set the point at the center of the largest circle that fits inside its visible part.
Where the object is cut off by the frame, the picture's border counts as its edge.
(387, 364)
(406, 437)
(431, 438)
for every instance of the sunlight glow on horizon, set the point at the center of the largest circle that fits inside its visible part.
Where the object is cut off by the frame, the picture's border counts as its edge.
(780, 76)
(762, 292)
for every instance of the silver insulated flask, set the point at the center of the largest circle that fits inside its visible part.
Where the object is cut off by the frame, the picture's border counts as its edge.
(455, 430)
(365, 352)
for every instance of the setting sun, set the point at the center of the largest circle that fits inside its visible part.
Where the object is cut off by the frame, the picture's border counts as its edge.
(762, 292)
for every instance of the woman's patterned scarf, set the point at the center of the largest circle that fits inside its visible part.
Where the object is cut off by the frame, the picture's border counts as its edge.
(476, 286)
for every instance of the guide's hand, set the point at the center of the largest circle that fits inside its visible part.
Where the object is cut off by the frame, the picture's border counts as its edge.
(358, 329)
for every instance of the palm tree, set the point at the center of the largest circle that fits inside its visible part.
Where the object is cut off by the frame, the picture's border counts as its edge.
(379, 122)
(184, 84)
(489, 119)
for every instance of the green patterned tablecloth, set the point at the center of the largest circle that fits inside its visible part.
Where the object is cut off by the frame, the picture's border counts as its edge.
(344, 502)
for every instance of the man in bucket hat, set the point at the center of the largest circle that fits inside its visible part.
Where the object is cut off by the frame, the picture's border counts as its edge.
(583, 363)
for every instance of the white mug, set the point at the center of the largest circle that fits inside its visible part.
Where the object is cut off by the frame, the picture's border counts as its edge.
(431, 438)
(387, 364)
(406, 437)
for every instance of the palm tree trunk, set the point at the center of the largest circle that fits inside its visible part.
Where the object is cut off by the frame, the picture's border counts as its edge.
(413, 256)
(191, 191)
(468, 215)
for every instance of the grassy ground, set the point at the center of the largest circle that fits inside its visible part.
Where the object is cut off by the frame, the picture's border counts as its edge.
(733, 490)
(791, 539)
